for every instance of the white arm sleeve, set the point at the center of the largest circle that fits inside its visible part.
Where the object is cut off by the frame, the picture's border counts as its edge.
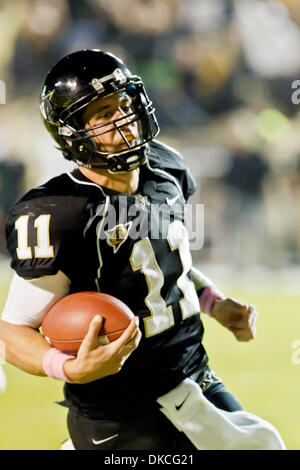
(28, 300)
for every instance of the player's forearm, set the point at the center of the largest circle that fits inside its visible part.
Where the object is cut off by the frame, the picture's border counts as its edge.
(206, 290)
(24, 347)
(199, 279)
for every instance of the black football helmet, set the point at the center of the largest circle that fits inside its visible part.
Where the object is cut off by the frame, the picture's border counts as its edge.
(76, 81)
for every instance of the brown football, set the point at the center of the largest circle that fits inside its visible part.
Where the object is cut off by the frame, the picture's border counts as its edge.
(67, 322)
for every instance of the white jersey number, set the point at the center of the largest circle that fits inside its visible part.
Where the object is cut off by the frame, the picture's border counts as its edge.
(143, 258)
(43, 249)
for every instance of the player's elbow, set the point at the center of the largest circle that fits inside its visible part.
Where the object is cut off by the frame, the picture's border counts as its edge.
(3, 330)
(14, 341)
(2, 342)
(6, 339)
(8, 333)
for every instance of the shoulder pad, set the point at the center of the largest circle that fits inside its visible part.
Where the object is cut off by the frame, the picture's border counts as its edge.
(164, 156)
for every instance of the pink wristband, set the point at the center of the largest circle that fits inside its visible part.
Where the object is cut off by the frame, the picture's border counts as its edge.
(53, 364)
(207, 298)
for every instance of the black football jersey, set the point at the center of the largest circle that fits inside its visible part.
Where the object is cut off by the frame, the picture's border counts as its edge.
(134, 247)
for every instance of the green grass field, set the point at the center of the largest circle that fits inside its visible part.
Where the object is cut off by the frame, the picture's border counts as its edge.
(260, 373)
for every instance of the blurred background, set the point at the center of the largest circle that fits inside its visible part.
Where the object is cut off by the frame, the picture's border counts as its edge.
(224, 76)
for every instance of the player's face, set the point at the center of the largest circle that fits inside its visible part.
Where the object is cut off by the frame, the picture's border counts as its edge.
(102, 112)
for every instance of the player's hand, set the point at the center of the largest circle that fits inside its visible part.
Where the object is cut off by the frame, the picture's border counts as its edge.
(237, 316)
(94, 362)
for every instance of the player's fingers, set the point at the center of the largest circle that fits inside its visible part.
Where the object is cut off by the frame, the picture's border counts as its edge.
(246, 318)
(242, 335)
(90, 341)
(135, 339)
(127, 335)
(239, 324)
(234, 309)
(129, 347)
(253, 326)
(237, 305)
(244, 338)
(252, 314)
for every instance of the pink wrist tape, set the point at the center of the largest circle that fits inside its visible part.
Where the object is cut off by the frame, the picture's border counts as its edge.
(53, 364)
(207, 298)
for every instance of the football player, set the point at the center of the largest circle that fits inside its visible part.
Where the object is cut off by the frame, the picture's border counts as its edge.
(116, 225)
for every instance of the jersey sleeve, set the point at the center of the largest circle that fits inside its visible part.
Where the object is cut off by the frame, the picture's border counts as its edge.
(170, 160)
(201, 282)
(189, 185)
(39, 235)
(28, 300)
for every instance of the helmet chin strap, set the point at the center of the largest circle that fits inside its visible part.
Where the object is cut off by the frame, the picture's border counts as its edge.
(119, 163)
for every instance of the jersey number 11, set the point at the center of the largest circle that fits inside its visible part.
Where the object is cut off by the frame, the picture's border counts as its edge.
(43, 249)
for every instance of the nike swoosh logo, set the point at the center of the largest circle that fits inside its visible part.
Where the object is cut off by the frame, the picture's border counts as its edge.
(96, 443)
(179, 406)
(170, 202)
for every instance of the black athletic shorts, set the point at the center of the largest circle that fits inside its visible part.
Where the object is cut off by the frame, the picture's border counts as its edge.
(144, 430)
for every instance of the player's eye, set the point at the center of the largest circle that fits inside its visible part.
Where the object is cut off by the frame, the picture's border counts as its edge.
(125, 105)
(108, 114)
(126, 108)
(104, 115)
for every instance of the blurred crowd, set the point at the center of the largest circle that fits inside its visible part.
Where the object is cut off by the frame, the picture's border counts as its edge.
(221, 75)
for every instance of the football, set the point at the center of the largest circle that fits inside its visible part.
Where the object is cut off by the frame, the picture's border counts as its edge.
(67, 322)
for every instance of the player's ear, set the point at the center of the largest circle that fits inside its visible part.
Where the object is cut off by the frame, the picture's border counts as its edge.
(69, 142)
